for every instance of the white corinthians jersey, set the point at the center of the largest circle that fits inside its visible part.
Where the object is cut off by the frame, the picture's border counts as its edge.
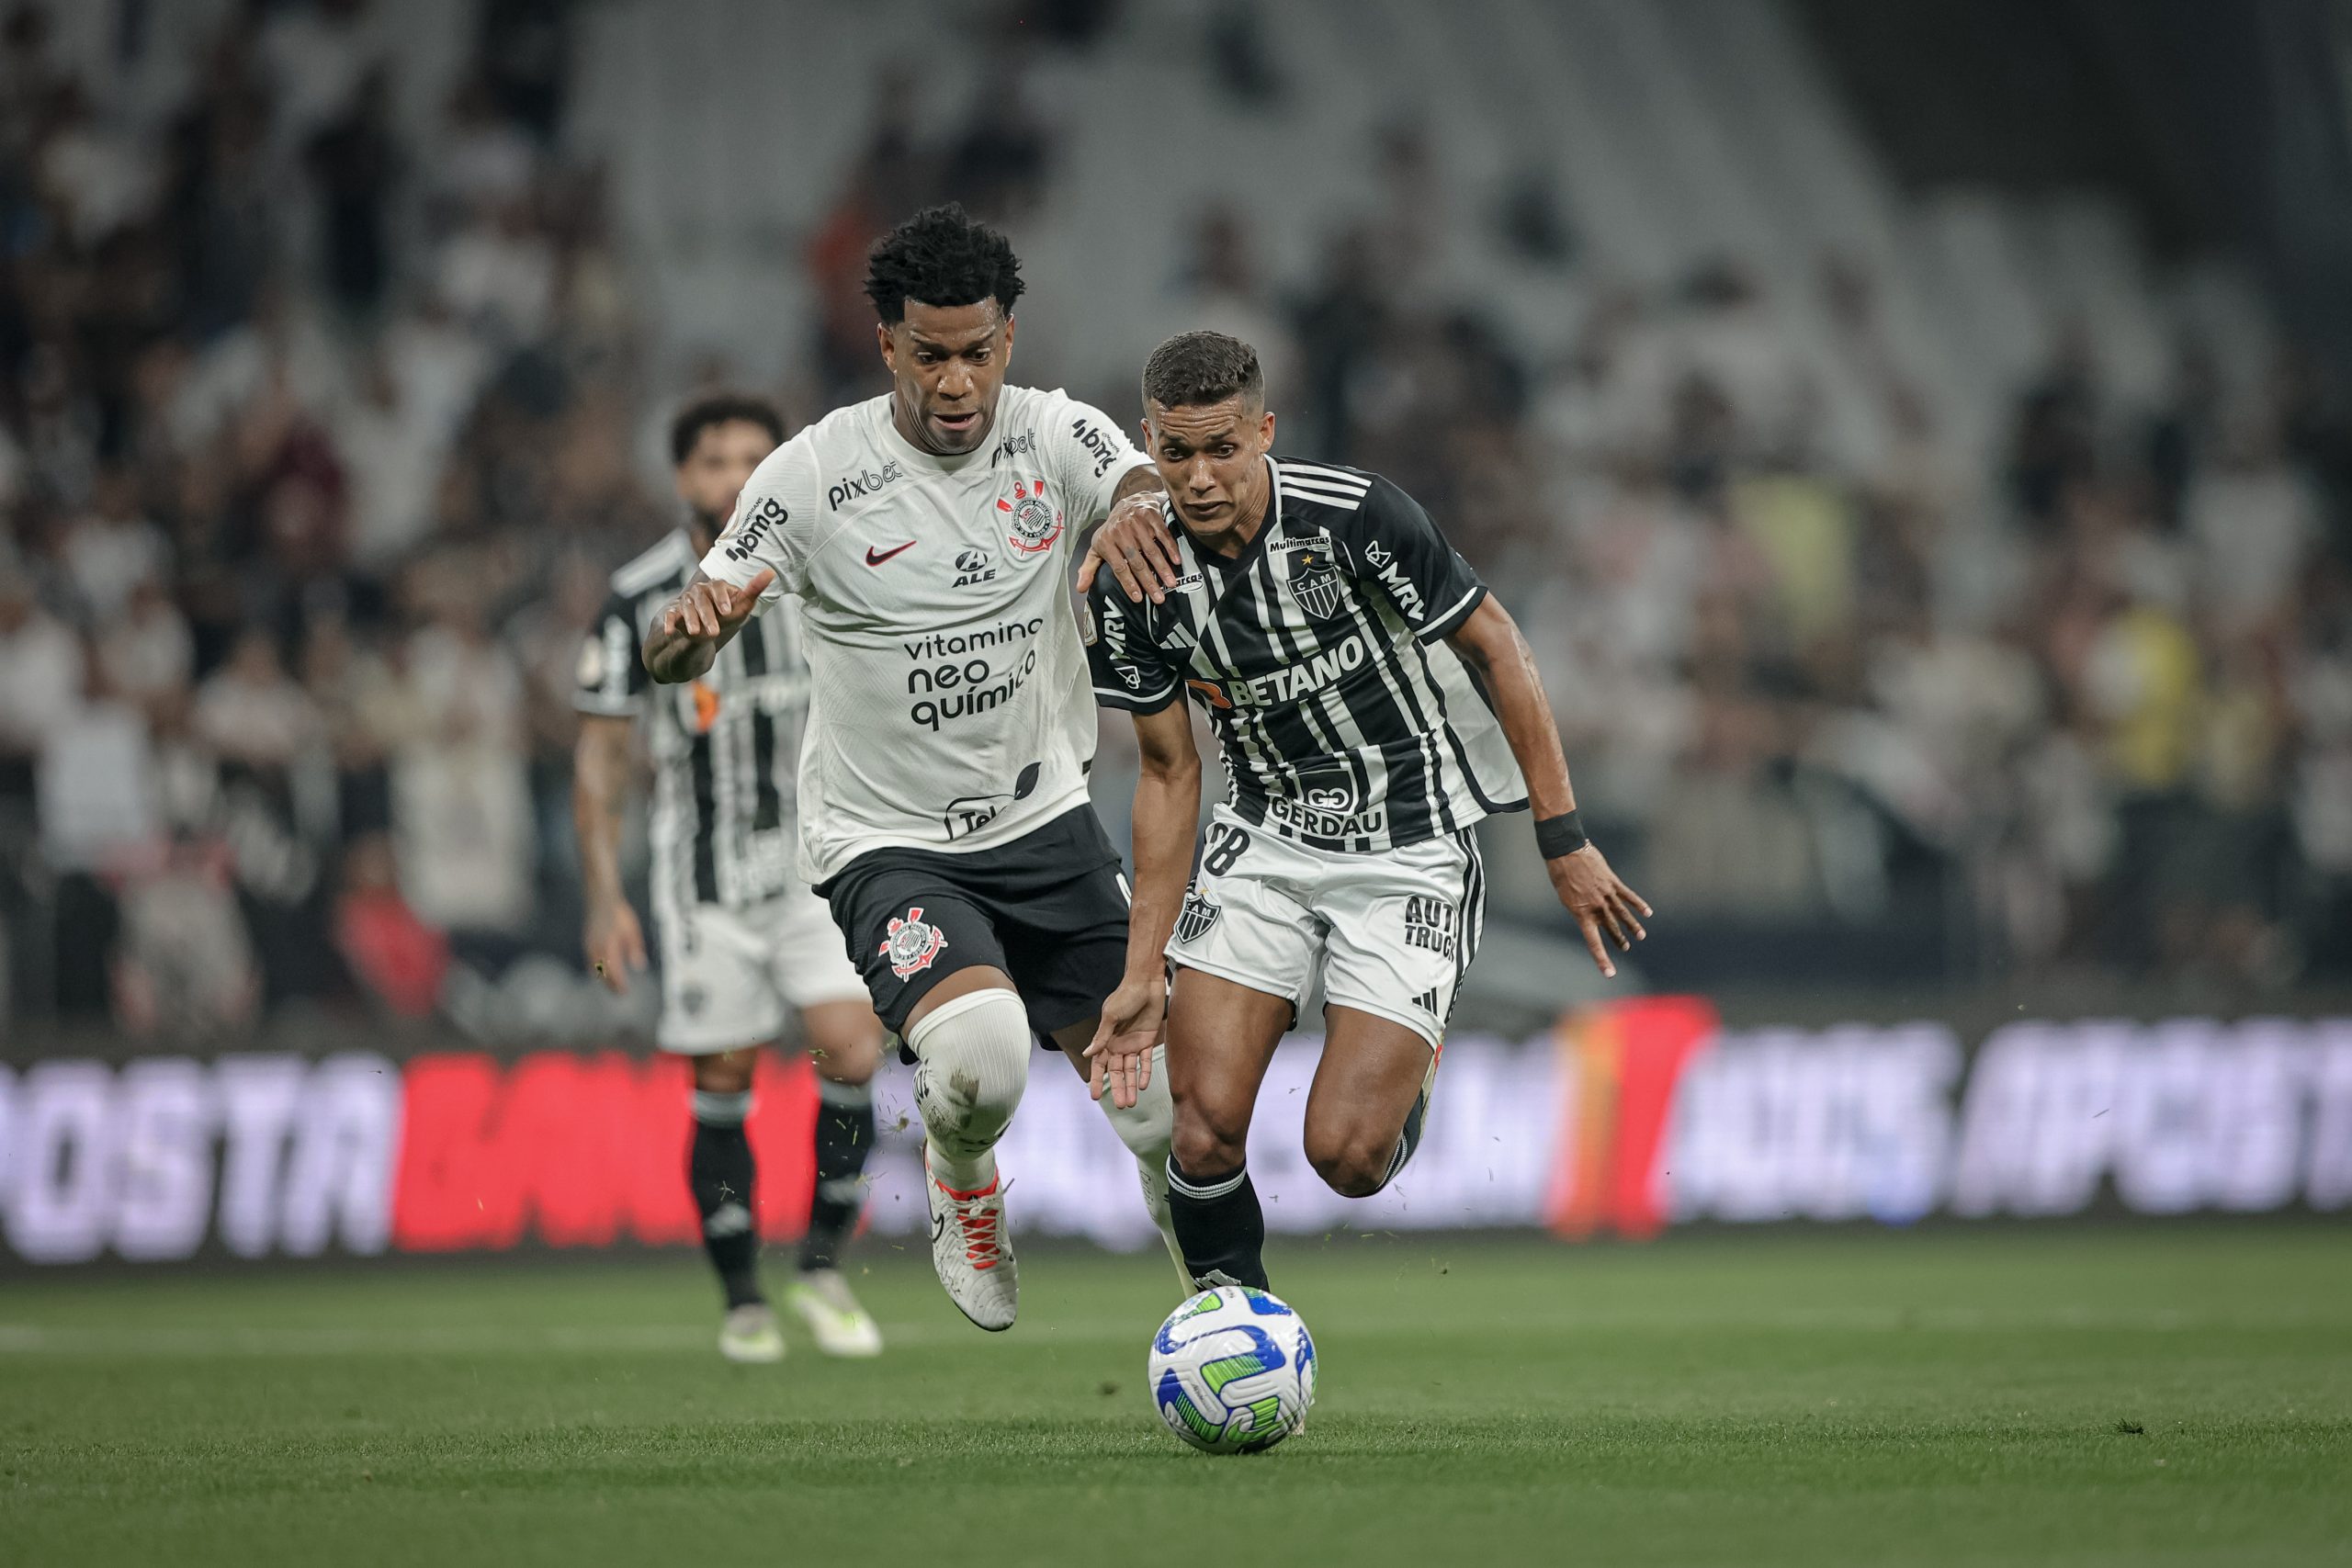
(949, 707)
(1345, 721)
(725, 747)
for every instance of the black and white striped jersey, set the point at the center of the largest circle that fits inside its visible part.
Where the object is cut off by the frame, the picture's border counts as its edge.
(726, 747)
(1345, 720)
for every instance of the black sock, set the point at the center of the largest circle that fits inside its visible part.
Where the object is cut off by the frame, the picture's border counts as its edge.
(1409, 1140)
(722, 1172)
(844, 1134)
(1220, 1227)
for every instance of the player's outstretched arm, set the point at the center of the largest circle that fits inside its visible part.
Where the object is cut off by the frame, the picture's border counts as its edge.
(686, 635)
(614, 940)
(1489, 641)
(1168, 808)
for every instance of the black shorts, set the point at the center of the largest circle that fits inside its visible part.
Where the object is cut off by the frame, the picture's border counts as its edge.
(1049, 908)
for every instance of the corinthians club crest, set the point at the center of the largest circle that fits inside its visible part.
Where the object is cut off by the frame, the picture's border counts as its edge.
(1314, 579)
(1033, 523)
(911, 943)
(1195, 918)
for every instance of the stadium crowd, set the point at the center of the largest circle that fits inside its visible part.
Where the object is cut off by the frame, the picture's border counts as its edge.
(318, 438)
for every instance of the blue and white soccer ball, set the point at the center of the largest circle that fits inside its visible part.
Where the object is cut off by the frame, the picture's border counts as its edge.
(1232, 1371)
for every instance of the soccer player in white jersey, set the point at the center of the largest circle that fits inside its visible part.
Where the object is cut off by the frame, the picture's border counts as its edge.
(743, 938)
(944, 813)
(1372, 703)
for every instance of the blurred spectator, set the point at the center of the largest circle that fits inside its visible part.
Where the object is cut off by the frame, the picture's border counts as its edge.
(400, 960)
(183, 964)
(252, 713)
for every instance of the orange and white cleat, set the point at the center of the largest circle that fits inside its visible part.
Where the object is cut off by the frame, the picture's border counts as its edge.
(971, 1249)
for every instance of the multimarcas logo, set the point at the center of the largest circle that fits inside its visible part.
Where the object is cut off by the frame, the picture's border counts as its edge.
(1622, 1120)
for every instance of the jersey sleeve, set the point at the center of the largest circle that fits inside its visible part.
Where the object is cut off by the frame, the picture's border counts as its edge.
(1129, 671)
(1087, 455)
(1402, 557)
(772, 525)
(611, 680)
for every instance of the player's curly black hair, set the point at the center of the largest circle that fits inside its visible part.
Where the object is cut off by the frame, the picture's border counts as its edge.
(940, 257)
(717, 409)
(1194, 369)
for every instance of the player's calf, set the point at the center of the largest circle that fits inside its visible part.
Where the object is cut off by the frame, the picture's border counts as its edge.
(720, 1170)
(1219, 1223)
(1370, 1101)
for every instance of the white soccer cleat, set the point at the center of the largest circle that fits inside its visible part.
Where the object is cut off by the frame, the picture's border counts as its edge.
(971, 1249)
(750, 1335)
(821, 1299)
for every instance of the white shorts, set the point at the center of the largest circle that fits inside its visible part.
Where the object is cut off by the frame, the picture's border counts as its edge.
(728, 975)
(1391, 932)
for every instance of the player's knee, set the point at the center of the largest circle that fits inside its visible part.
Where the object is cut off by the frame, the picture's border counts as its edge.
(972, 1056)
(845, 1050)
(1353, 1162)
(1209, 1141)
(724, 1072)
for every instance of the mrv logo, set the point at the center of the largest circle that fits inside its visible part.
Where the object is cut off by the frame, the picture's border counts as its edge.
(1407, 597)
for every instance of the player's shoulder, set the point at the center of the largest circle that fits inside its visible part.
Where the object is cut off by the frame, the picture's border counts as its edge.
(1331, 487)
(1342, 497)
(1049, 412)
(661, 568)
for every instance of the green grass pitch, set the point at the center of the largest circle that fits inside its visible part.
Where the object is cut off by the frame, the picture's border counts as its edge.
(2153, 1396)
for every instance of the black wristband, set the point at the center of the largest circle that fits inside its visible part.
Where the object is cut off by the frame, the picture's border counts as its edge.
(1558, 835)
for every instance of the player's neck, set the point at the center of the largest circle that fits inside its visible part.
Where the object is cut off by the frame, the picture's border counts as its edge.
(701, 533)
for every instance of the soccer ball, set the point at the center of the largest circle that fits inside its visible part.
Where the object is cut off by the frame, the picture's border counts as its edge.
(1232, 1371)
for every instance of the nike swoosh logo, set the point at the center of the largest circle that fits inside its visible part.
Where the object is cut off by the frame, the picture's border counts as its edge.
(875, 557)
(938, 1226)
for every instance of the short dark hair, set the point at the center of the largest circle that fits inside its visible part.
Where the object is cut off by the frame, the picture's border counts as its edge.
(1196, 368)
(717, 409)
(940, 257)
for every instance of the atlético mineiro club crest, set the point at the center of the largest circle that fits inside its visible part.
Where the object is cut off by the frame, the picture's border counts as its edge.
(1033, 523)
(911, 943)
(1314, 579)
(1196, 916)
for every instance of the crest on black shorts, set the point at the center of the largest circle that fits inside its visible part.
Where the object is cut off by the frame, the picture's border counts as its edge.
(911, 943)
(1198, 914)
(1315, 579)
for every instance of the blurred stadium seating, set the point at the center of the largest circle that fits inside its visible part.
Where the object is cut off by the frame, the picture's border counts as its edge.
(1944, 581)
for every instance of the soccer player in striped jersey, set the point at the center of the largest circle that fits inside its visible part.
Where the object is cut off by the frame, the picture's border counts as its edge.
(743, 938)
(1373, 703)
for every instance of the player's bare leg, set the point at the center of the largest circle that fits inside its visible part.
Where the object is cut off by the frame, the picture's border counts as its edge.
(1221, 1038)
(1146, 1127)
(722, 1172)
(1364, 1110)
(846, 1049)
(971, 1040)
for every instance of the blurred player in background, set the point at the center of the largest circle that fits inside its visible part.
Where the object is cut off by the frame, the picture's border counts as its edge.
(927, 534)
(743, 938)
(1373, 703)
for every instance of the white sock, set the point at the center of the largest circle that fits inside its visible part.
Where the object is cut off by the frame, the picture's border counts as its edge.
(972, 1066)
(1148, 1127)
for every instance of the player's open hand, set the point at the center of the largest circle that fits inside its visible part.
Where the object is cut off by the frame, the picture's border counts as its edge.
(1134, 542)
(1120, 1057)
(1605, 907)
(708, 611)
(614, 943)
